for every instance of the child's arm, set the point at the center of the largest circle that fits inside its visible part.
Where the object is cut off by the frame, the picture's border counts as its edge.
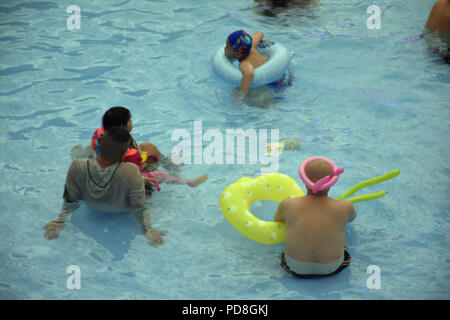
(247, 69)
(257, 38)
(247, 78)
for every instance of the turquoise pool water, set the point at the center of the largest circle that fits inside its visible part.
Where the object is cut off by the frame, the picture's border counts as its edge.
(371, 100)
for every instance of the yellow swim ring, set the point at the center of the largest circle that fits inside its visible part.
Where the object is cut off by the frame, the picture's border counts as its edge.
(236, 199)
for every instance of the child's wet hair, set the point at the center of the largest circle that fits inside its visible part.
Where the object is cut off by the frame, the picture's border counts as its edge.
(116, 117)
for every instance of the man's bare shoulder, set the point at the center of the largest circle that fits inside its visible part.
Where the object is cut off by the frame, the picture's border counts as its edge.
(345, 208)
(341, 204)
(291, 204)
(344, 203)
(292, 200)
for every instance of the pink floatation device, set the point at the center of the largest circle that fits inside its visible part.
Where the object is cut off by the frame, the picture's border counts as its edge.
(324, 183)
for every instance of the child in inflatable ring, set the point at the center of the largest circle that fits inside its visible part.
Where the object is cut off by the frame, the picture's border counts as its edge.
(241, 46)
(121, 117)
(315, 223)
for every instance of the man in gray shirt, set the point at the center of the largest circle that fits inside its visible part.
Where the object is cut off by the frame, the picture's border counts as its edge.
(107, 184)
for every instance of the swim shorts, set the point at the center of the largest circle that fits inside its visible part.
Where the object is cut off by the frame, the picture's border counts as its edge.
(345, 262)
(280, 85)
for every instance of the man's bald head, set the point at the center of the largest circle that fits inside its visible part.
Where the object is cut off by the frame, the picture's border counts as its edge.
(316, 170)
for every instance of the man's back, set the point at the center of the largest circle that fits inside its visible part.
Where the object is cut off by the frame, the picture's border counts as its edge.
(116, 188)
(316, 227)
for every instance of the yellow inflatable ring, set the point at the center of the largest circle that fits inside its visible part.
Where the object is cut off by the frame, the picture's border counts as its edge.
(237, 198)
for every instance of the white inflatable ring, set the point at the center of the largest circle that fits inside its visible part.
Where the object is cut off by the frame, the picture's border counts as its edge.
(272, 70)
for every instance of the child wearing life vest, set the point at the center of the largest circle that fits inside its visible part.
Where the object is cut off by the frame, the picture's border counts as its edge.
(145, 155)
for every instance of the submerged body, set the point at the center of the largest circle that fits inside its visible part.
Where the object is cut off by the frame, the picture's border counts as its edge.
(437, 29)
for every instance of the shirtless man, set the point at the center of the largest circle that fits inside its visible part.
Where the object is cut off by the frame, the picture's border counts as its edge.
(315, 223)
(108, 184)
(437, 29)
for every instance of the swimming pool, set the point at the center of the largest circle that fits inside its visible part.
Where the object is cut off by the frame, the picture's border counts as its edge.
(371, 100)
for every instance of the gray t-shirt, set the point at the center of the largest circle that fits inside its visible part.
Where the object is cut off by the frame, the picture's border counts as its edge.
(119, 187)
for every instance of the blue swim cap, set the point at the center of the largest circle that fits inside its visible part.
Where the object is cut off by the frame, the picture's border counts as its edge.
(241, 41)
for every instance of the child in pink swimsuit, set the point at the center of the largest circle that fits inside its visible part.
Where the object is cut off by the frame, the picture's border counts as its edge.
(157, 177)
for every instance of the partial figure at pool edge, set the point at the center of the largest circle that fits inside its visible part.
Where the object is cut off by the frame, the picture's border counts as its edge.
(315, 223)
(437, 29)
(271, 8)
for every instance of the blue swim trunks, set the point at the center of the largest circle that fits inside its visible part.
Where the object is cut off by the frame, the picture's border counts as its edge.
(281, 84)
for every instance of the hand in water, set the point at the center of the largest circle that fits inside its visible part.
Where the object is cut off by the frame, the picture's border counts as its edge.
(150, 181)
(52, 229)
(155, 237)
(238, 95)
